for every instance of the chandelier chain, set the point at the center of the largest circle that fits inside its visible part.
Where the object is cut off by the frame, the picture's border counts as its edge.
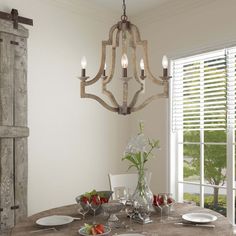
(124, 8)
(124, 16)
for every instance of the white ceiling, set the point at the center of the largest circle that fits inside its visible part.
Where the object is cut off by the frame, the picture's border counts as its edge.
(134, 7)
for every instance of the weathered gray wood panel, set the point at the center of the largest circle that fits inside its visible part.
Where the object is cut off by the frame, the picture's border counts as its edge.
(13, 132)
(6, 27)
(20, 119)
(7, 185)
(13, 125)
(6, 118)
(21, 178)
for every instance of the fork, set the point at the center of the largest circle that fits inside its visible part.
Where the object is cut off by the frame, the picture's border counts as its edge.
(195, 225)
(42, 230)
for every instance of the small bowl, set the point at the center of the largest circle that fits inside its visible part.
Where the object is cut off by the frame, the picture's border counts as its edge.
(105, 194)
(112, 207)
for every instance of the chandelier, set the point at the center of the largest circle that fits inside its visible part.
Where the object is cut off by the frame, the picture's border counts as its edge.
(127, 35)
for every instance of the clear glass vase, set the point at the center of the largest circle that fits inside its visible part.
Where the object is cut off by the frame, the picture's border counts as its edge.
(143, 194)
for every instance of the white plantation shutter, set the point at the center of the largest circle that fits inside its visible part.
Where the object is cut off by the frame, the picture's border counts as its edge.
(200, 92)
(231, 86)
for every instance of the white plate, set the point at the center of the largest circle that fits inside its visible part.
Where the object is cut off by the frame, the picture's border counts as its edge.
(199, 217)
(54, 220)
(83, 232)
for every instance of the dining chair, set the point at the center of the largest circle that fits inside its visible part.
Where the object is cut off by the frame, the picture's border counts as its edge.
(124, 181)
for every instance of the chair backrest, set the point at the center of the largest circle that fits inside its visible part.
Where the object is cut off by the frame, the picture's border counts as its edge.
(127, 181)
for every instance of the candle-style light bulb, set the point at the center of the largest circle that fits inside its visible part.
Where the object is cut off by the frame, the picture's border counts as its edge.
(124, 64)
(165, 62)
(124, 61)
(165, 66)
(104, 70)
(83, 65)
(142, 64)
(142, 67)
(83, 62)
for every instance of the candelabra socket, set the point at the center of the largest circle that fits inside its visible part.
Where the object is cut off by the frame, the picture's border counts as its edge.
(142, 77)
(142, 73)
(83, 73)
(165, 78)
(124, 72)
(104, 77)
(165, 72)
(83, 78)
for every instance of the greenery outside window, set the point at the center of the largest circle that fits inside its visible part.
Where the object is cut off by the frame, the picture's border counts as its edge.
(203, 130)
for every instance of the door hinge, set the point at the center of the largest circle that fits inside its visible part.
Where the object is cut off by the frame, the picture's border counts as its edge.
(15, 207)
(14, 42)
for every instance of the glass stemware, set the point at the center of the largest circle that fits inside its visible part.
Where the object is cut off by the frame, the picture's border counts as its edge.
(95, 202)
(112, 208)
(129, 194)
(161, 203)
(83, 210)
(121, 194)
(129, 210)
(161, 209)
(170, 203)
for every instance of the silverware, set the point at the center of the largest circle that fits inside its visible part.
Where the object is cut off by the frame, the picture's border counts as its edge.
(195, 225)
(42, 230)
(74, 218)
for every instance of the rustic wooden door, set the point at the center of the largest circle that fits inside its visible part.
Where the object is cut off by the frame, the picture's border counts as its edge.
(13, 124)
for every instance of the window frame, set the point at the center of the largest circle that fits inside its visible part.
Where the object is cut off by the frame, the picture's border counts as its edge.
(175, 160)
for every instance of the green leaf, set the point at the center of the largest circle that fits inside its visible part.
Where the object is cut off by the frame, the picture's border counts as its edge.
(88, 228)
(131, 166)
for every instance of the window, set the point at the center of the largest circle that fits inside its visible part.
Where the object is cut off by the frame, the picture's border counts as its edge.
(203, 130)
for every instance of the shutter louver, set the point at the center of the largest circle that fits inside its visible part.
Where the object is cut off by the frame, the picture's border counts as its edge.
(199, 92)
(231, 86)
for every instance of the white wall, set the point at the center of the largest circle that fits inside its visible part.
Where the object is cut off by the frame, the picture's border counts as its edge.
(73, 143)
(179, 28)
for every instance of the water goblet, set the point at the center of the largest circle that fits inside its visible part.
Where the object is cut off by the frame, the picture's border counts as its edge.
(170, 203)
(129, 210)
(83, 210)
(95, 203)
(161, 209)
(164, 205)
(129, 194)
(161, 202)
(121, 194)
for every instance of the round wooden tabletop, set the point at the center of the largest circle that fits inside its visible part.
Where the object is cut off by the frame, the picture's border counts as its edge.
(169, 228)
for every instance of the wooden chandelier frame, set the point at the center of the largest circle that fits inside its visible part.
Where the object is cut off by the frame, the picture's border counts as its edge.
(113, 41)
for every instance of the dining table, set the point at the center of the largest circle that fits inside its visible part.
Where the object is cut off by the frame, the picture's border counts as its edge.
(222, 226)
